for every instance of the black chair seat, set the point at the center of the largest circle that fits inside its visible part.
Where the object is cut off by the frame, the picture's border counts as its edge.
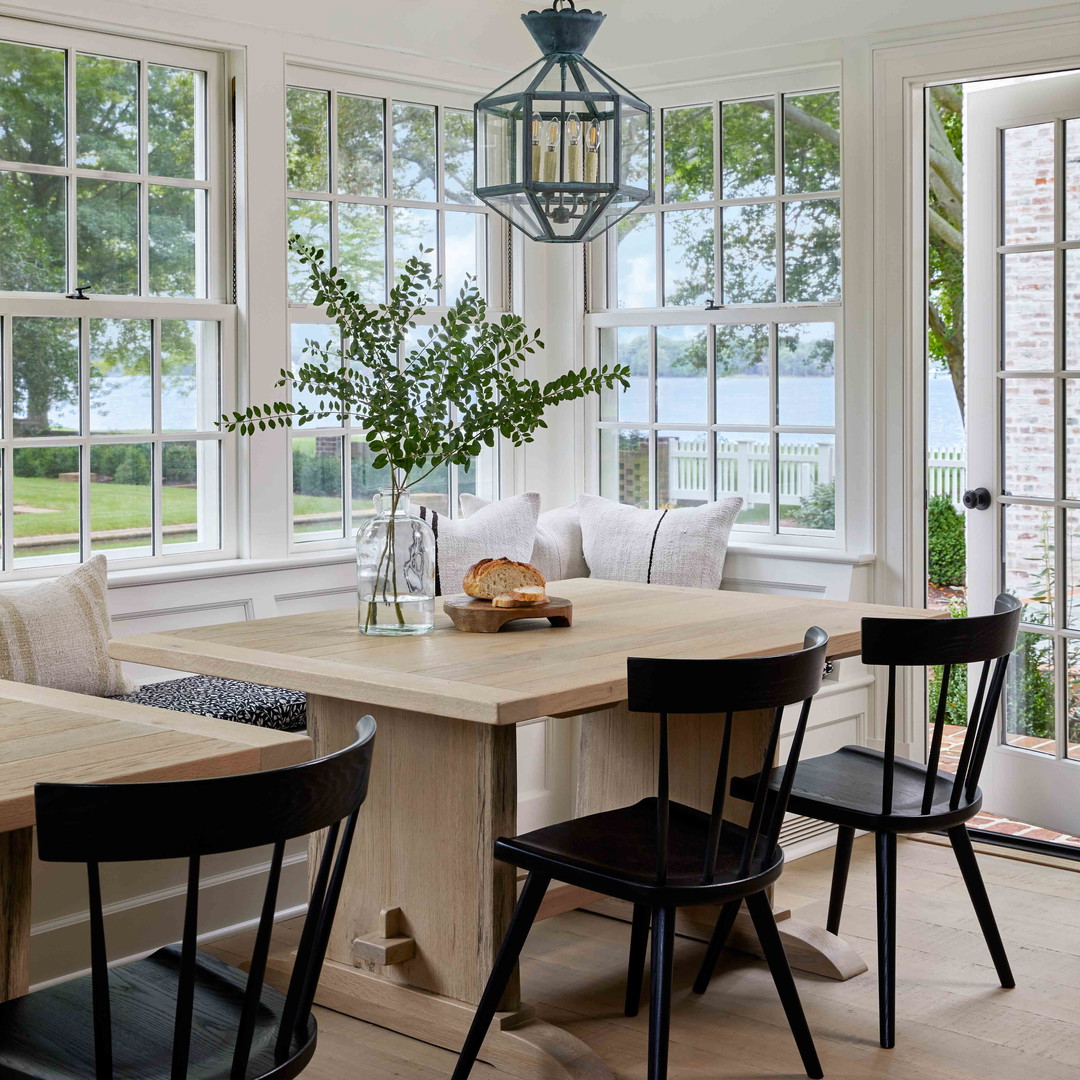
(49, 1035)
(615, 852)
(845, 788)
(226, 699)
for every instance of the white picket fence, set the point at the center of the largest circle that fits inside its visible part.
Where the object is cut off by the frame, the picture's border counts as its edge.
(742, 468)
(946, 474)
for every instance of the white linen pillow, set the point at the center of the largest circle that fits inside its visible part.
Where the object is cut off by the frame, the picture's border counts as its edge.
(57, 634)
(683, 546)
(557, 551)
(504, 529)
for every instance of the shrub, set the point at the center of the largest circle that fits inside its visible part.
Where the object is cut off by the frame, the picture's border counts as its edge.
(1030, 687)
(956, 703)
(179, 463)
(46, 461)
(134, 467)
(818, 509)
(315, 473)
(947, 560)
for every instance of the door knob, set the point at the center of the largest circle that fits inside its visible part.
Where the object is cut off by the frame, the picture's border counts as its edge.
(978, 499)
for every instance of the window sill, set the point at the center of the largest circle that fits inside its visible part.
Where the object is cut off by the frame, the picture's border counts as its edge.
(836, 556)
(158, 575)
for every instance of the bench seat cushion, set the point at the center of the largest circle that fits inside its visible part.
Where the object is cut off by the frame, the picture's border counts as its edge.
(226, 699)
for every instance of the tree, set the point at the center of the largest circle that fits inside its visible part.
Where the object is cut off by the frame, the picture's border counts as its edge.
(33, 215)
(945, 172)
(812, 163)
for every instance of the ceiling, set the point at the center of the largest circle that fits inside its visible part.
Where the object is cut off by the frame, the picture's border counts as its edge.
(488, 32)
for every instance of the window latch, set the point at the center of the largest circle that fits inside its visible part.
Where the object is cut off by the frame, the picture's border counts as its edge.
(79, 293)
(712, 305)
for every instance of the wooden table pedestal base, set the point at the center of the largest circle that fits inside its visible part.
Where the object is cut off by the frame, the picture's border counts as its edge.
(422, 884)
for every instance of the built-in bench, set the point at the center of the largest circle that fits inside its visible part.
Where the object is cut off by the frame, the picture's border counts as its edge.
(226, 699)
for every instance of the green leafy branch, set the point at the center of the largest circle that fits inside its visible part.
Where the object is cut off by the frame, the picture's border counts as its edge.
(424, 401)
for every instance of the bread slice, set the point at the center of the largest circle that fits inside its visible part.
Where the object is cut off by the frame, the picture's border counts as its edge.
(515, 600)
(492, 577)
(530, 594)
(526, 596)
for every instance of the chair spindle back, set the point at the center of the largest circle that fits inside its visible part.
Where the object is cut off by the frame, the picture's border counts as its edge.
(987, 640)
(677, 687)
(96, 823)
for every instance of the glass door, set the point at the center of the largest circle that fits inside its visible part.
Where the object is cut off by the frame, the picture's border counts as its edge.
(1022, 230)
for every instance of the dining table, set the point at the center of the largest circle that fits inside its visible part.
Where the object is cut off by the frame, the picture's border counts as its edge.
(64, 737)
(425, 905)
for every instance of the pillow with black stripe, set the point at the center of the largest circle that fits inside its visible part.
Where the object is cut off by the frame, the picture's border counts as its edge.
(684, 546)
(501, 530)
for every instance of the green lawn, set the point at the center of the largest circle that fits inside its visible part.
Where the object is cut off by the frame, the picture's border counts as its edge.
(127, 506)
(112, 506)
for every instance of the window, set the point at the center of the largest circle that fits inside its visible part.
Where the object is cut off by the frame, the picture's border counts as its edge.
(110, 180)
(372, 179)
(737, 397)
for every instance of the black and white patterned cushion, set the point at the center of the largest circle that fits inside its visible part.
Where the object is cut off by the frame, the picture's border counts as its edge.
(227, 699)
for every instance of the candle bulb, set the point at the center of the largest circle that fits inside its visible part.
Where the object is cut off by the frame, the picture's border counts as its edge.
(572, 129)
(592, 153)
(536, 128)
(551, 156)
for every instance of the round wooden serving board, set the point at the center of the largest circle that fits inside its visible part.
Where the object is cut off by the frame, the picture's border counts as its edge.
(479, 617)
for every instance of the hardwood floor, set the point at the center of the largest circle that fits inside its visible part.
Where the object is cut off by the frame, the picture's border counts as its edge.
(953, 1021)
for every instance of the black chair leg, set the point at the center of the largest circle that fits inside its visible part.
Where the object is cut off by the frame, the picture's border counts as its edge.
(773, 947)
(527, 906)
(716, 945)
(663, 943)
(635, 968)
(841, 861)
(885, 851)
(969, 867)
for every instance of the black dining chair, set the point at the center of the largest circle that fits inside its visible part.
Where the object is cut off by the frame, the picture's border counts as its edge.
(661, 855)
(180, 1012)
(876, 791)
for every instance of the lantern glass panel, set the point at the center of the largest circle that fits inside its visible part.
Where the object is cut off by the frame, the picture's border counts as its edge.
(518, 210)
(520, 83)
(635, 133)
(499, 134)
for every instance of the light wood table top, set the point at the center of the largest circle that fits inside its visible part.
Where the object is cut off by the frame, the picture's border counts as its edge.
(524, 671)
(53, 735)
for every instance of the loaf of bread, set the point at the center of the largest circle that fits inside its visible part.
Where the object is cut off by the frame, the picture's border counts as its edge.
(526, 596)
(492, 577)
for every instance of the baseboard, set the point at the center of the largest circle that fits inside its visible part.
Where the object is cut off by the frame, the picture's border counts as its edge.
(802, 836)
(139, 923)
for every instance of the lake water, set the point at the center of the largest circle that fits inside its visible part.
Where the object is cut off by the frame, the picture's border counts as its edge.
(803, 401)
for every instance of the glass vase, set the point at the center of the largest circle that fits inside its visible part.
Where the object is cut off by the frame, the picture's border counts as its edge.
(395, 570)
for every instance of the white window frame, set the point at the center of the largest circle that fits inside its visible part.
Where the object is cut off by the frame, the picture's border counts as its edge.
(601, 280)
(217, 307)
(497, 270)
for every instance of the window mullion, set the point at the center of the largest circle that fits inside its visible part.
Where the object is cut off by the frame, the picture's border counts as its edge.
(157, 449)
(710, 390)
(718, 213)
(84, 444)
(7, 457)
(69, 161)
(774, 434)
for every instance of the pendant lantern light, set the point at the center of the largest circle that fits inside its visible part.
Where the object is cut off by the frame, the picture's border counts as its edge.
(563, 151)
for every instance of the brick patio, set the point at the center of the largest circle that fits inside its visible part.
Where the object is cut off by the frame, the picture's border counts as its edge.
(951, 743)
